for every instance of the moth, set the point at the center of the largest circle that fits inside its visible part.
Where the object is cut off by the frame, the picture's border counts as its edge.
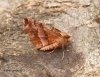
(43, 36)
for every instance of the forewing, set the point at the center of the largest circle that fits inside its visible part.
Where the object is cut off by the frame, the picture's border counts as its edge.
(34, 39)
(36, 32)
(52, 33)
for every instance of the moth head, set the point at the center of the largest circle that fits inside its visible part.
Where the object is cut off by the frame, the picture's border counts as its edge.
(68, 36)
(65, 35)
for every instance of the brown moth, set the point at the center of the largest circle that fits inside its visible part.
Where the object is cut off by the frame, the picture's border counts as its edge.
(45, 37)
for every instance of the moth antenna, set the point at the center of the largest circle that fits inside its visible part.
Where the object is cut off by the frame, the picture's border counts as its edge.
(69, 27)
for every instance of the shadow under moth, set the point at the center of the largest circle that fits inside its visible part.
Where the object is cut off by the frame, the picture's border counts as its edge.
(43, 36)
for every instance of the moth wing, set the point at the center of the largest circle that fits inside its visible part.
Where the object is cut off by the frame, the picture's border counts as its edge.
(36, 32)
(34, 39)
(52, 33)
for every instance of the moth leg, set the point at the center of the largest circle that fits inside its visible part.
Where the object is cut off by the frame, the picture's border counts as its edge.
(53, 50)
(63, 52)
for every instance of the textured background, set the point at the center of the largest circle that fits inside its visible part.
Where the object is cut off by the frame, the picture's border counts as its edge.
(19, 58)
